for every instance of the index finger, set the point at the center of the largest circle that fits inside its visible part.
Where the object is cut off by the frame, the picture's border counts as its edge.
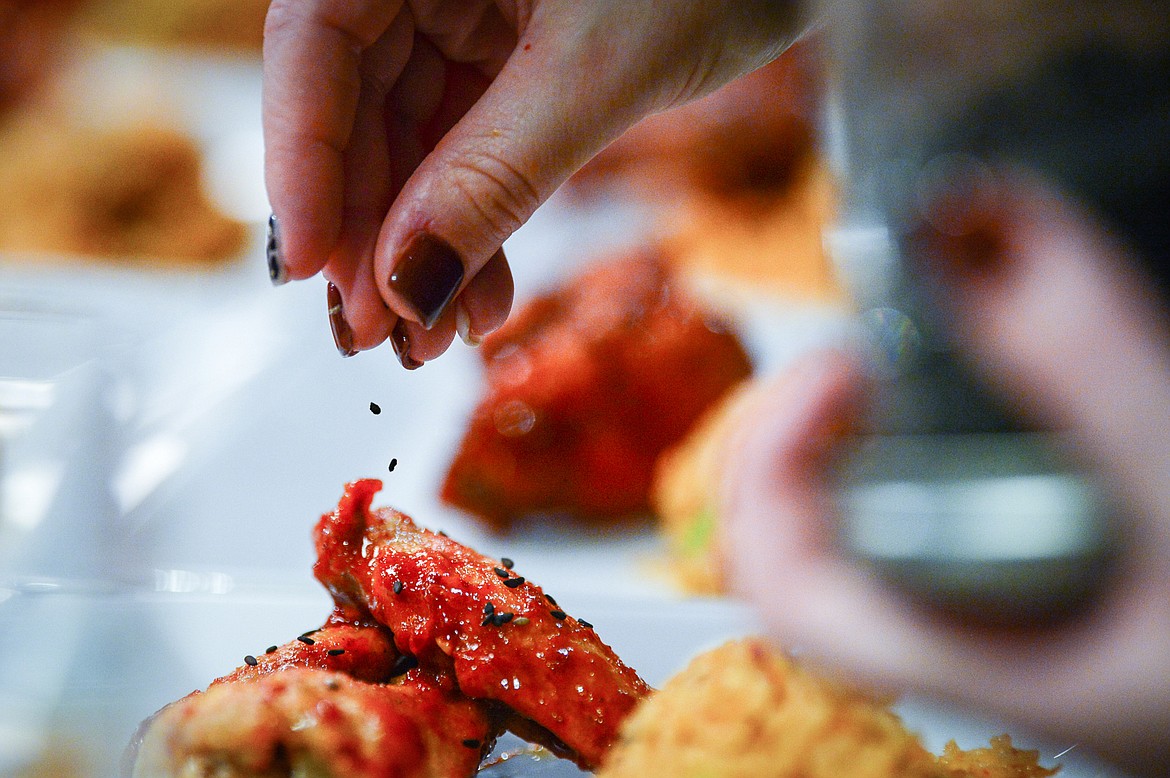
(312, 52)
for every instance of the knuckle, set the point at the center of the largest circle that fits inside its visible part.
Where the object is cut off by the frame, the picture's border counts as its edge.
(502, 194)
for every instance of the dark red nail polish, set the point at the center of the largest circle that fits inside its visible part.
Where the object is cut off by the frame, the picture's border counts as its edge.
(342, 334)
(427, 275)
(400, 340)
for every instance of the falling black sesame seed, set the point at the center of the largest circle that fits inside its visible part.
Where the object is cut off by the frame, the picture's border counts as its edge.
(251, 661)
(397, 587)
(489, 609)
(503, 618)
(375, 408)
(507, 563)
(558, 615)
(402, 664)
(471, 743)
(307, 633)
(487, 621)
(584, 624)
(444, 534)
(501, 572)
(308, 641)
(336, 651)
(550, 599)
(270, 650)
(512, 583)
(393, 464)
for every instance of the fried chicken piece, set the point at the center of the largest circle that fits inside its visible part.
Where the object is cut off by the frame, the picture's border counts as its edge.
(313, 722)
(745, 710)
(585, 387)
(34, 34)
(363, 651)
(745, 140)
(202, 25)
(999, 760)
(503, 638)
(686, 482)
(132, 192)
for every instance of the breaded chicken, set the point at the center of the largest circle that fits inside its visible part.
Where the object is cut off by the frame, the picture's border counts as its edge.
(686, 483)
(127, 193)
(745, 710)
(319, 724)
(999, 760)
(502, 637)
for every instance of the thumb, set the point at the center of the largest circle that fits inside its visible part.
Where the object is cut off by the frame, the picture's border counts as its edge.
(579, 76)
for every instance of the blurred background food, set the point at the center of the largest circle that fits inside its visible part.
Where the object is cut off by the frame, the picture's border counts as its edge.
(133, 193)
(234, 26)
(585, 386)
(125, 182)
(685, 490)
(738, 180)
(33, 39)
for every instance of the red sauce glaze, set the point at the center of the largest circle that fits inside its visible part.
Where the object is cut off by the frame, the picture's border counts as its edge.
(552, 671)
(414, 728)
(585, 388)
(368, 653)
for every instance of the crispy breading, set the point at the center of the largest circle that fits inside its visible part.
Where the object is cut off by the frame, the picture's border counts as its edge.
(686, 482)
(999, 760)
(745, 710)
(132, 192)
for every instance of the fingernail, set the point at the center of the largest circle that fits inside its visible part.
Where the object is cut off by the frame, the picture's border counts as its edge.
(958, 227)
(276, 270)
(463, 326)
(400, 340)
(342, 334)
(427, 275)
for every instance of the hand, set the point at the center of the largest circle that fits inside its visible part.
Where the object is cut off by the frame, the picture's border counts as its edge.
(1055, 314)
(407, 140)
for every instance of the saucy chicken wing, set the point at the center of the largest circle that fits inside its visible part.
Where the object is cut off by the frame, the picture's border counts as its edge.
(363, 651)
(319, 724)
(585, 387)
(503, 638)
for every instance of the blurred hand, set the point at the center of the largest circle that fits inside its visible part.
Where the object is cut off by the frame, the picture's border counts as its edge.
(1050, 308)
(407, 140)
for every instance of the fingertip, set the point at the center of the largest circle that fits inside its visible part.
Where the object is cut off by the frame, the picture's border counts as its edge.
(424, 278)
(484, 305)
(303, 231)
(401, 342)
(358, 318)
(414, 345)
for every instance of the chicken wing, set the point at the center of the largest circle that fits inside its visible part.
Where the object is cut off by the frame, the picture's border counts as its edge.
(319, 723)
(364, 651)
(504, 639)
(585, 387)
